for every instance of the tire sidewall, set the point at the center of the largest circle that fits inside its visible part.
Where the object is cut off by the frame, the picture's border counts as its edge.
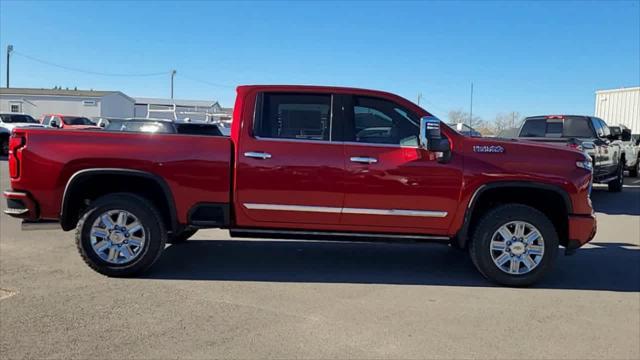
(153, 227)
(500, 216)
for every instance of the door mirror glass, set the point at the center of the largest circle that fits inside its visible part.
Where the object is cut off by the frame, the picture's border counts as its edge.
(54, 123)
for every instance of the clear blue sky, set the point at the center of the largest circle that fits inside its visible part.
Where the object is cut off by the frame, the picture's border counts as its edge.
(531, 57)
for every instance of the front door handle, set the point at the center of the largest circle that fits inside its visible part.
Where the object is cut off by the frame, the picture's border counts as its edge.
(364, 160)
(257, 155)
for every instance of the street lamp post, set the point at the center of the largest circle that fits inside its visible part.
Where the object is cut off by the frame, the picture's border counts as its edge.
(9, 50)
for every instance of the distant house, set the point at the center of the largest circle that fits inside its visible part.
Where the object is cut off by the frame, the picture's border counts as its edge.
(180, 110)
(88, 103)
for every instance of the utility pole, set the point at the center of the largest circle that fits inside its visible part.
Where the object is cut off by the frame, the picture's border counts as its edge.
(471, 107)
(9, 50)
(419, 98)
(173, 74)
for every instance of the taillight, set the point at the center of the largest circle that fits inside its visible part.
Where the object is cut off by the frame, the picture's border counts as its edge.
(16, 142)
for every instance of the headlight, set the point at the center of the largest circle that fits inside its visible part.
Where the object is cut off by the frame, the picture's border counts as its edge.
(585, 164)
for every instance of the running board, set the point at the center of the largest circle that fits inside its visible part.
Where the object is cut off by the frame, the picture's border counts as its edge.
(332, 235)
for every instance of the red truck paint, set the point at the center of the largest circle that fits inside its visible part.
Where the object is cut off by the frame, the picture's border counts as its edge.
(203, 169)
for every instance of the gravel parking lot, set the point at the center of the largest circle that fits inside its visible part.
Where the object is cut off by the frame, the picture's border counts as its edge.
(215, 297)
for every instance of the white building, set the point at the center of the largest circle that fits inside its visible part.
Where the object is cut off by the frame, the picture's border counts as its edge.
(88, 103)
(174, 109)
(619, 106)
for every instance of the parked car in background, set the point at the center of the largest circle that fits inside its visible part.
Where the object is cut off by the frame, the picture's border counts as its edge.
(465, 129)
(68, 122)
(586, 133)
(302, 163)
(10, 121)
(630, 148)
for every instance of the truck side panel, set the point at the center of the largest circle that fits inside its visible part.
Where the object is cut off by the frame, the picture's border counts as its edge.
(196, 168)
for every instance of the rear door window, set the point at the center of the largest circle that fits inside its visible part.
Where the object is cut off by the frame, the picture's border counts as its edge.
(294, 116)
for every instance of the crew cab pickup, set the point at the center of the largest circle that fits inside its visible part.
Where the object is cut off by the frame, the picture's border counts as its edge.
(586, 133)
(307, 162)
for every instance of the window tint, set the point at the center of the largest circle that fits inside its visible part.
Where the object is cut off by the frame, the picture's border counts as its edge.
(71, 120)
(556, 127)
(598, 126)
(534, 128)
(379, 121)
(294, 116)
(605, 128)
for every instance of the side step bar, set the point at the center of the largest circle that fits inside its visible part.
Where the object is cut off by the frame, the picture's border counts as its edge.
(40, 225)
(332, 236)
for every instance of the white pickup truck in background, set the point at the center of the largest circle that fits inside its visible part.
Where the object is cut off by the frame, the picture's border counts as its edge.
(630, 148)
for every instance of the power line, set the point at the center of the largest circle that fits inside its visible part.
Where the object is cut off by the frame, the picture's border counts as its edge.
(206, 82)
(68, 68)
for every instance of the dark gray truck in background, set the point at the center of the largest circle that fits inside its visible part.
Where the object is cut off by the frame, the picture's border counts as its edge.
(587, 133)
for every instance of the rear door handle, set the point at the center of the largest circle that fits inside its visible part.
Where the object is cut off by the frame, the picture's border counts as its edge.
(364, 160)
(257, 155)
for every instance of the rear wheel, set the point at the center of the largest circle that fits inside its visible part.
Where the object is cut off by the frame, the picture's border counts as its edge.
(120, 235)
(514, 245)
(633, 172)
(615, 185)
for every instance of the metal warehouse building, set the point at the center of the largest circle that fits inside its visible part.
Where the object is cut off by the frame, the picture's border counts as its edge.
(89, 103)
(620, 106)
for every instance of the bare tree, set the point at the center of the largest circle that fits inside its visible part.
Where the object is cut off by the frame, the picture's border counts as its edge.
(505, 121)
(460, 116)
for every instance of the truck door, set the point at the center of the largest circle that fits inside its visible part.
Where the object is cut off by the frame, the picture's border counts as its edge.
(289, 170)
(392, 185)
(605, 164)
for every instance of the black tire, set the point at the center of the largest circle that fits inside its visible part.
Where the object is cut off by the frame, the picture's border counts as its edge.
(182, 236)
(4, 145)
(480, 245)
(148, 217)
(616, 184)
(633, 172)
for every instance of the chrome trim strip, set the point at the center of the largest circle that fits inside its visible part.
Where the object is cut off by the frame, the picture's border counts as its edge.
(398, 146)
(14, 211)
(337, 233)
(13, 193)
(277, 207)
(395, 212)
(336, 210)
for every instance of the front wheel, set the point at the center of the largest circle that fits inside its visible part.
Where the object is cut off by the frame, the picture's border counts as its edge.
(514, 245)
(120, 235)
(616, 184)
(4, 145)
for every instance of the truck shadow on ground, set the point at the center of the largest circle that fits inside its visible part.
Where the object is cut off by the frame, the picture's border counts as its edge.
(626, 202)
(608, 266)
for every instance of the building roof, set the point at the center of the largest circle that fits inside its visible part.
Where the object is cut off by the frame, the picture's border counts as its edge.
(59, 92)
(178, 102)
(636, 88)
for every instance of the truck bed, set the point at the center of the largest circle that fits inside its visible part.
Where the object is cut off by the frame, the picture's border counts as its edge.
(196, 168)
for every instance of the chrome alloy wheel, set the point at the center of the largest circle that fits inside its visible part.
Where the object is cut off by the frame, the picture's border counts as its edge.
(117, 236)
(517, 248)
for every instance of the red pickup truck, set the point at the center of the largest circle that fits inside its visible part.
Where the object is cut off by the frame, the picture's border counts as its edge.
(307, 162)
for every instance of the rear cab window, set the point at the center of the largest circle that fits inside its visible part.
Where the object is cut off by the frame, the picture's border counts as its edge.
(552, 127)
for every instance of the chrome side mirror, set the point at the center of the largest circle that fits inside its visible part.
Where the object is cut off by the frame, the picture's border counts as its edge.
(431, 138)
(54, 123)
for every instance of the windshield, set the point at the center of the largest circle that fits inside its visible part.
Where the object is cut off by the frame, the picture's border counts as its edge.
(571, 126)
(18, 118)
(75, 120)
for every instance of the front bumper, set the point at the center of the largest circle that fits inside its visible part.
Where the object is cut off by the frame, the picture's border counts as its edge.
(582, 229)
(20, 205)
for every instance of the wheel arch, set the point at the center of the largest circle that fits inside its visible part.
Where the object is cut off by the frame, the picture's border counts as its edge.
(482, 194)
(81, 180)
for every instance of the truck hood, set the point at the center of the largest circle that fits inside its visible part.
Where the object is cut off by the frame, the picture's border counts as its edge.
(11, 126)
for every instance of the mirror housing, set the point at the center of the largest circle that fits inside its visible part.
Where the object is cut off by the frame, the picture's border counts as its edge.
(431, 138)
(54, 123)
